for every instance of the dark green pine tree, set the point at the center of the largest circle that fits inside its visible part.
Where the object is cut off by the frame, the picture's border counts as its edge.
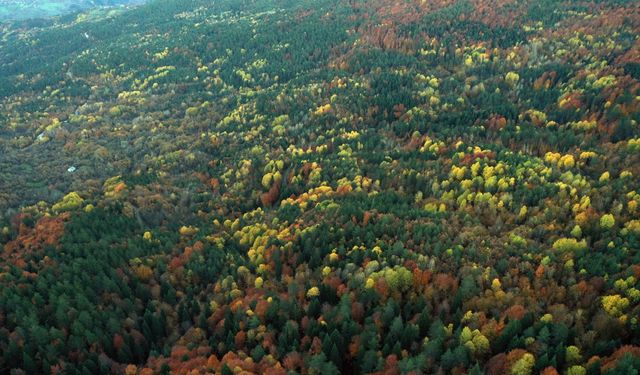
(370, 362)
(335, 356)
(226, 370)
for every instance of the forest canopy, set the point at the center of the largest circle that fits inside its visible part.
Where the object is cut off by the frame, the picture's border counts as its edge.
(322, 187)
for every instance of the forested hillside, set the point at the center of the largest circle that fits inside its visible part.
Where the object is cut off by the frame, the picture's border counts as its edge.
(30, 9)
(322, 187)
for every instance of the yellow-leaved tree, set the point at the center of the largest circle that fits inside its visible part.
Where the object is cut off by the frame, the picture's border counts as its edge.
(70, 202)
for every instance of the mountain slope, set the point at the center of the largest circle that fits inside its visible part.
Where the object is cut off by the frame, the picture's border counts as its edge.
(277, 186)
(28, 9)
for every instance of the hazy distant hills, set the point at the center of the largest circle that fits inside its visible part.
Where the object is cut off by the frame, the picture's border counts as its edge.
(25, 9)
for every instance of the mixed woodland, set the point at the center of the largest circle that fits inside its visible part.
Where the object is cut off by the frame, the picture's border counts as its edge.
(322, 187)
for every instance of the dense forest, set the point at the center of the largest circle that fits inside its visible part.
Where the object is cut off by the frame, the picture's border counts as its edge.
(322, 187)
(30, 9)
